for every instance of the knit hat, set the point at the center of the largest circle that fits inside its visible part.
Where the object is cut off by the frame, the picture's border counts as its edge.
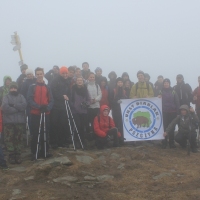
(140, 72)
(98, 69)
(119, 79)
(63, 70)
(167, 80)
(29, 71)
(23, 67)
(146, 75)
(184, 107)
(56, 66)
(14, 85)
(180, 76)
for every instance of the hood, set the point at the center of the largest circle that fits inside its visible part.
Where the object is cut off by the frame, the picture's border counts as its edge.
(112, 73)
(103, 79)
(104, 107)
(5, 78)
(185, 107)
(125, 74)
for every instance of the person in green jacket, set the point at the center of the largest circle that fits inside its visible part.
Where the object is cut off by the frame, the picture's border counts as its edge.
(4, 90)
(141, 89)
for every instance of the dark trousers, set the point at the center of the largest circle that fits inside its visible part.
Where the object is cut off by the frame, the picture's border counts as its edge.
(181, 138)
(59, 133)
(112, 135)
(167, 119)
(81, 124)
(2, 160)
(92, 113)
(117, 117)
(35, 122)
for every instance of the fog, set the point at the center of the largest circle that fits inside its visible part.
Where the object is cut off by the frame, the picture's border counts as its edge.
(158, 37)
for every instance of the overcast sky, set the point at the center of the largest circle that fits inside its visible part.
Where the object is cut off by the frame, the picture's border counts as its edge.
(158, 37)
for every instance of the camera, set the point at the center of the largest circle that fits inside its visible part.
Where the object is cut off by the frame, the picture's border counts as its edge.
(85, 105)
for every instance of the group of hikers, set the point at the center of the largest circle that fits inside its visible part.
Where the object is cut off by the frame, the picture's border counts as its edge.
(75, 106)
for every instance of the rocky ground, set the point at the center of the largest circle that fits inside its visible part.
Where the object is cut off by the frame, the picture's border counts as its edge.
(141, 172)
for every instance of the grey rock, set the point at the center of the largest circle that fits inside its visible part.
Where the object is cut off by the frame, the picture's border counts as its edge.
(105, 178)
(180, 175)
(121, 166)
(65, 179)
(18, 169)
(162, 175)
(114, 156)
(84, 159)
(64, 160)
(29, 178)
(102, 159)
(90, 178)
(16, 192)
(87, 173)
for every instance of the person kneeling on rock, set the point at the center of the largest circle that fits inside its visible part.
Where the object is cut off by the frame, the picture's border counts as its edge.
(187, 124)
(104, 128)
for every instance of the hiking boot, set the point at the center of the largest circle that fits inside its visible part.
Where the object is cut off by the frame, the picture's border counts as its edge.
(11, 159)
(18, 159)
(4, 166)
(194, 150)
(172, 146)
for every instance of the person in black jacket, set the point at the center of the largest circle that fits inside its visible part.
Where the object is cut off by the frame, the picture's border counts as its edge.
(59, 134)
(51, 74)
(21, 78)
(183, 90)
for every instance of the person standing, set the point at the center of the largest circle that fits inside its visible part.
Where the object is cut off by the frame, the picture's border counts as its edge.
(196, 98)
(80, 102)
(21, 78)
(115, 96)
(4, 90)
(95, 98)
(13, 107)
(147, 80)
(183, 90)
(98, 75)
(141, 89)
(104, 90)
(85, 71)
(60, 134)
(112, 82)
(170, 109)
(41, 101)
(158, 85)
(51, 74)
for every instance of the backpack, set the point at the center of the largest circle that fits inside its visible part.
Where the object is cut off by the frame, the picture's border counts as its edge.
(147, 84)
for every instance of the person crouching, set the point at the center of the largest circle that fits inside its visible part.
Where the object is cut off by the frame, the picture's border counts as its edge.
(105, 130)
(13, 107)
(187, 124)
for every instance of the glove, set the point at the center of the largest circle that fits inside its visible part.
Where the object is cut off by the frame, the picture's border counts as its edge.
(119, 101)
(11, 105)
(43, 108)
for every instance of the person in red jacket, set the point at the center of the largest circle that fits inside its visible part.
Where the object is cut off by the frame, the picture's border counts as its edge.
(104, 128)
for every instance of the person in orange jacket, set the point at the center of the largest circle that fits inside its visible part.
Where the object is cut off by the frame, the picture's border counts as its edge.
(104, 128)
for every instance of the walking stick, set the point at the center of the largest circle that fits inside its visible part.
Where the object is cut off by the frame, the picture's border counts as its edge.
(45, 137)
(70, 125)
(38, 142)
(75, 125)
(27, 129)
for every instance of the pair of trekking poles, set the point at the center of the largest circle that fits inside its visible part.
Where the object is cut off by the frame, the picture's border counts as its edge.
(69, 113)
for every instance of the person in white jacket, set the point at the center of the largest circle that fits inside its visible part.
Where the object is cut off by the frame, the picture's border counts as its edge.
(95, 98)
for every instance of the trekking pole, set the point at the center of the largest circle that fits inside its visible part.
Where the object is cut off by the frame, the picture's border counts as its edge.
(45, 137)
(75, 126)
(72, 135)
(38, 142)
(27, 129)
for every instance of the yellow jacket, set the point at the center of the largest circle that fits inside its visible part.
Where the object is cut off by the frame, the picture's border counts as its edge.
(142, 91)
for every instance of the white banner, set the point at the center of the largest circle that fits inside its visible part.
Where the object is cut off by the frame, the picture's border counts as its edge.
(142, 119)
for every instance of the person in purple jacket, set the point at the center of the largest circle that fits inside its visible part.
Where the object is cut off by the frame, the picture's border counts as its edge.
(79, 103)
(170, 109)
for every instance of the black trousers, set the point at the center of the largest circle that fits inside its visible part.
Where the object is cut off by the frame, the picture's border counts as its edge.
(35, 122)
(82, 126)
(59, 133)
(92, 113)
(167, 119)
(181, 138)
(117, 117)
(112, 135)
